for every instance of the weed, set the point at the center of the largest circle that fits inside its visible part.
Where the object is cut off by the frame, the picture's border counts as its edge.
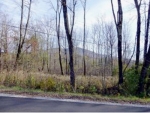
(31, 82)
(47, 84)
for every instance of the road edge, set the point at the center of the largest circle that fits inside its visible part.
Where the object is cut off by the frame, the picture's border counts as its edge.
(72, 100)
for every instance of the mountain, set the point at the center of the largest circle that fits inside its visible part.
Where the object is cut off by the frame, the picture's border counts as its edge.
(79, 51)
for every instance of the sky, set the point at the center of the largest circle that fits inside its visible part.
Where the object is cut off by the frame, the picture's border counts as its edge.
(95, 9)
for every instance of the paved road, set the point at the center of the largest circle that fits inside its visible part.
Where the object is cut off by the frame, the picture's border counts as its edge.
(19, 104)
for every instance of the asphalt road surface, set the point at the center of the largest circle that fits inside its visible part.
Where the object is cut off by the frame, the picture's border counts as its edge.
(27, 104)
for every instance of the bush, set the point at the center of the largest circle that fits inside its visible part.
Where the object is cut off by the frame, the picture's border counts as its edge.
(7, 80)
(131, 80)
(88, 85)
(80, 89)
(47, 84)
(30, 82)
(2, 78)
(92, 89)
(10, 80)
(60, 87)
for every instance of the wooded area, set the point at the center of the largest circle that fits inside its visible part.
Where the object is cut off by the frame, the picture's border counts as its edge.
(54, 46)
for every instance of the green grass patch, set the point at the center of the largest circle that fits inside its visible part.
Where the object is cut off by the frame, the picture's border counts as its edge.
(79, 96)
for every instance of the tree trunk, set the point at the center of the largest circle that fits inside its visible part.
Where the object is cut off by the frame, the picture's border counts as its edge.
(70, 43)
(60, 61)
(138, 33)
(66, 58)
(111, 55)
(43, 63)
(84, 62)
(22, 39)
(58, 14)
(143, 75)
(146, 33)
(146, 63)
(48, 70)
(118, 23)
(66, 61)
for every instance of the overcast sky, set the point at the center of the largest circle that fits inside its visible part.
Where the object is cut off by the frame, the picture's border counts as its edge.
(95, 9)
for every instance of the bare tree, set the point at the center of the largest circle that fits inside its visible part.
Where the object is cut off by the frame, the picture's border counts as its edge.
(65, 53)
(69, 38)
(22, 37)
(5, 33)
(5, 36)
(48, 29)
(57, 18)
(138, 32)
(84, 8)
(111, 39)
(146, 32)
(146, 63)
(126, 45)
(94, 30)
(118, 24)
(58, 14)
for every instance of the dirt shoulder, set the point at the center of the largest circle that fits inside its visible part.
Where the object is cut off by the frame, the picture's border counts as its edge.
(75, 96)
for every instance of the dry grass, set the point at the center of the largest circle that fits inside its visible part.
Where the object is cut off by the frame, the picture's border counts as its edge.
(47, 82)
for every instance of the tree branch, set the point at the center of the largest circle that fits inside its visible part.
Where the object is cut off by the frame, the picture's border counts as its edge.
(113, 12)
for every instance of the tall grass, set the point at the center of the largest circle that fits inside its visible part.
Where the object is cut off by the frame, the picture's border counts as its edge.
(56, 83)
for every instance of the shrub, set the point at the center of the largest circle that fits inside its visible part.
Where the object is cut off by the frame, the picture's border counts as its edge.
(30, 82)
(22, 83)
(2, 78)
(81, 89)
(67, 86)
(131, 80)
(10, 80)
(47, 84)
(7, 80)
(88, 84)
(60, 87)
(92, 89)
